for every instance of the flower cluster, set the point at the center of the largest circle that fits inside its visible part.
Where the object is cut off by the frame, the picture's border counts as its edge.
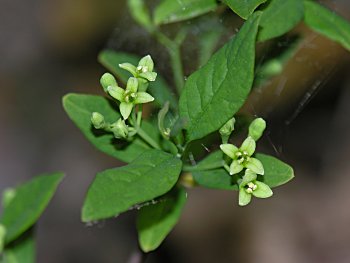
(242, 158)
(134, 93)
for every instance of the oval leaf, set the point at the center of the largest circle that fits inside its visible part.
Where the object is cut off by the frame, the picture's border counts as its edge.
(114, 191)
(154, 222)
(279, 17)
(276, 172)
(28, 204)
(244, 8)
(327, 23)
(170, 11)
(215, 92)
(159, 88)
(216, 179)
(79, 108)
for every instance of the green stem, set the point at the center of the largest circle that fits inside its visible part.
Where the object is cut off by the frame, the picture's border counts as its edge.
(210, 166)
(139, 115)
(174, 51)
(147, 138)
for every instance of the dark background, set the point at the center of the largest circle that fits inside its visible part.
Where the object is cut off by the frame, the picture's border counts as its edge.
(49, 48)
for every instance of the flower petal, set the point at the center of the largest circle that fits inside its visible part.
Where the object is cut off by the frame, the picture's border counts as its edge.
(132, 85)
(255, 165)
(248, 177)
(235, 167)
(262, 190)
(147, 61)
(116, 92)
(229, 149)
(129, 67)
(248, 146)
(125, 109)
(150, 76)
(244, 198)
(143, 97)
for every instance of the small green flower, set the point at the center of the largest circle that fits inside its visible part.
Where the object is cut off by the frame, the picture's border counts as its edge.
(97, 120)
(108, 80)
(129, 97)
(120, 129)
(242, 157)
(143, 70)
(250, 186)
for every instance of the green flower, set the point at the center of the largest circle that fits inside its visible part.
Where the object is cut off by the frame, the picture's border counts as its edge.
(242, 157)
(129, 97)
(143, 70)
(250, 186)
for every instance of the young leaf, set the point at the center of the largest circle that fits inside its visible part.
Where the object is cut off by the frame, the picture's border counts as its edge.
(154, 222)
(170, 11)
(114, 191)
(327, 23)
(140, 14)
(216, 91)
(279, 17)
(276, 172)
(244, 8)
(159, 88)
(79, 108)
(20, 251)
(29, 202)
(216, 179)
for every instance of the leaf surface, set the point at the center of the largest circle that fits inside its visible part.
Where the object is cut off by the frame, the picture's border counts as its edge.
(244, 8)
(215, 92)
(28, 204)
(327, 23)
(155, 222)
(116, 190)
(170, 11)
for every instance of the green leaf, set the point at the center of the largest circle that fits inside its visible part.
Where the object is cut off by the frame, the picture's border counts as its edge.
(29, 202)
(79, 108)
(170, 11)
(154, 222)
(276, 172)
(244, 8)
(140, 14)
(159, 88)
(279, 17)
(327, 23)
(216, 179)
(115, 191)
(215, 92)
(20, 251)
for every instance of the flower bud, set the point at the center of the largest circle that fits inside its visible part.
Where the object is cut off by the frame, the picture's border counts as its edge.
(107, 80)
(97, 120)
(228, 128)
(120, 129)
(256, 128)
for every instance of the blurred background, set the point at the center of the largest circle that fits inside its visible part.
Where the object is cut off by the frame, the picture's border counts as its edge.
(49, 48)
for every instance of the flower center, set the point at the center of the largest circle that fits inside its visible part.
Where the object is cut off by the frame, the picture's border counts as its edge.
(130, 96)
(242, 157)
(250, 187)
(142, 69)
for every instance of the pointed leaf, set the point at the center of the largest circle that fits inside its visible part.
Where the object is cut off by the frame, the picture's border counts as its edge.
(327, 23)
(170, 11)
(28, 204)
(279, 17)
(79, 108)
(216, 91)
(159, 88)
(115, 191)
(276, 172)
(154, 222)
(244, 8)
(217, 179)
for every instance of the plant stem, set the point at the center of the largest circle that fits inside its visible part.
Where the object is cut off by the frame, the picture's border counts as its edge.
(147, 138)
(139, 115)
(214, 165)
(174, 51)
